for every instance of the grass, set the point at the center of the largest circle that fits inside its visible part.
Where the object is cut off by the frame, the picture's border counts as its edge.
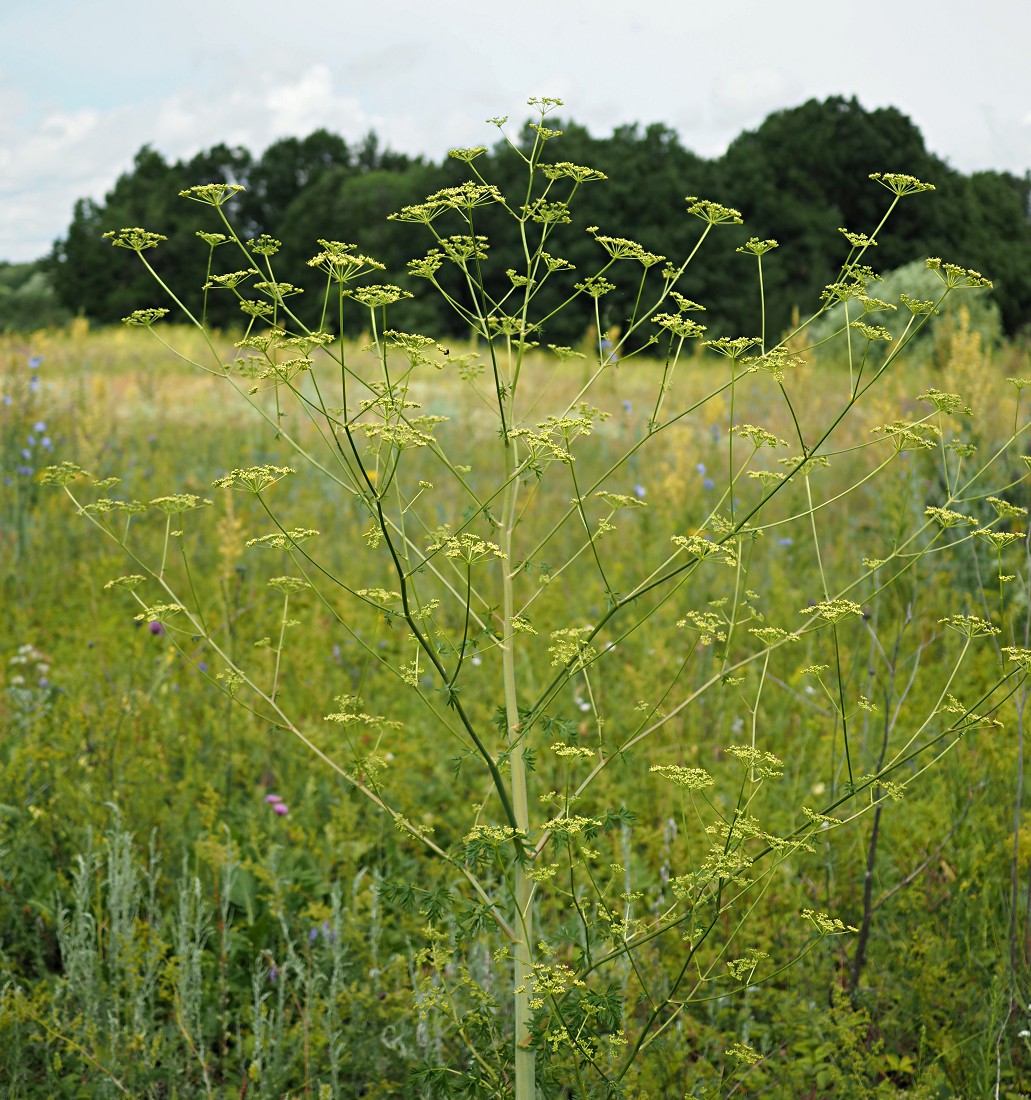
(165, 931)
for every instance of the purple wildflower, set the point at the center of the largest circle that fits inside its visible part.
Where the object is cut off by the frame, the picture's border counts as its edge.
(281, 808)
(273, 973)
(708, 483)
(701, 468)
(39, 426)
(628, 407)
(272, 799)
(35, 361)
(313, 934)
(156, 628)
(639, 491)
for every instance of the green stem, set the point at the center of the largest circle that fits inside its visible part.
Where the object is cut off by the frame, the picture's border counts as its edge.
(522, 917)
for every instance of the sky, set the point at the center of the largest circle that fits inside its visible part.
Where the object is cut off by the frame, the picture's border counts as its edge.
(84, 86)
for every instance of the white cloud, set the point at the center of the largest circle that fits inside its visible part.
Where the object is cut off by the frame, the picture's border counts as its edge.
(51, 161)
(424, 77)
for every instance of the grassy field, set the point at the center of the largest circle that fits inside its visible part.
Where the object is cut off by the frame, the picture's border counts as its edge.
(168, 928)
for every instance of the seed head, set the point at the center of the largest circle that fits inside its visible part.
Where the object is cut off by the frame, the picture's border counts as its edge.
(900, 184)
(212, 194)
(135, 239)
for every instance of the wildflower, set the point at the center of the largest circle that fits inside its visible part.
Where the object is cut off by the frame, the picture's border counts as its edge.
(135, 239)
(313, 934)
(639, 491)
(144, 318)
(272, 799)
(628, 407)
(900, 183)
(273, 974)
(713, 213)
(708, 484)
(39, 427)
(35, 361)
(211, 194)
(757, 247)
(156, 628)
(281, 808)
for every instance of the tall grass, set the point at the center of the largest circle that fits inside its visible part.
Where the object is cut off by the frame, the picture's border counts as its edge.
(622, 819)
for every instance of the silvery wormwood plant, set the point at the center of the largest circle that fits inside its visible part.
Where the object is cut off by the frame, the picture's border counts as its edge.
(602, 958)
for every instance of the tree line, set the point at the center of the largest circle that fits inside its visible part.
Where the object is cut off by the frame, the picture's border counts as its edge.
(798, 179)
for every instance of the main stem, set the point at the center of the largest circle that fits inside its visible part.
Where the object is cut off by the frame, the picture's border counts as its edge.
(522, 918)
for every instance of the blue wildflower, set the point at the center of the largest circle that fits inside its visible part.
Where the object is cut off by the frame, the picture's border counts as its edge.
(639, 491)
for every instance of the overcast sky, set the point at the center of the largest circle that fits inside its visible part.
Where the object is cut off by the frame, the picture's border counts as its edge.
(83, 86)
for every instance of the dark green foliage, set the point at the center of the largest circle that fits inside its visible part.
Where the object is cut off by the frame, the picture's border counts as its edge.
(28, 300)
(798, 178)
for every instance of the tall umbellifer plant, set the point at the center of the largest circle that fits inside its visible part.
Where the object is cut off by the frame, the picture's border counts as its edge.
(551, 642)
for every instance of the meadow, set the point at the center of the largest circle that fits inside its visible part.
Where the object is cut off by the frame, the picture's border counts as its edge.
(165, 932)
(598, 741)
